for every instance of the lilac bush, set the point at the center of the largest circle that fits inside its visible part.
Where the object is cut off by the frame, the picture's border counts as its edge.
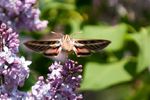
(21, 14)
(61, 83)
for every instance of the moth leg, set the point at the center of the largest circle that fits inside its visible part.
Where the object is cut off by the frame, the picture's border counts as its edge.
(75, 50)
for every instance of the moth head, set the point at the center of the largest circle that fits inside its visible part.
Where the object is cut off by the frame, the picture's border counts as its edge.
(67, 43)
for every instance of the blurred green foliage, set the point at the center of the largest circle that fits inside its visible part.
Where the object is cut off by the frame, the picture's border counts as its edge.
(121, 71)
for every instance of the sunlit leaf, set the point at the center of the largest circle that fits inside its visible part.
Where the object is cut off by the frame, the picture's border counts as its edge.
(99, 76)
(143, 41)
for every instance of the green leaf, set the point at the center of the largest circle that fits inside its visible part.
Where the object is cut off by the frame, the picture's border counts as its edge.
(99, 76)
(143, 41)
(113, 33)
(53, 4)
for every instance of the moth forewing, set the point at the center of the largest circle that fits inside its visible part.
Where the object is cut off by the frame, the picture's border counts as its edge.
(85, 47)
(42, 46)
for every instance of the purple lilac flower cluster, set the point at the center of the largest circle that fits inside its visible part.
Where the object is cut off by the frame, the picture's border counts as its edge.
(8, 38)
(61, 84)
(21, 14)
(13, 69)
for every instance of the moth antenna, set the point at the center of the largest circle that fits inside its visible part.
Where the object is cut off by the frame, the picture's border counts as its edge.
(76, 33)
(53, 32)
(57, 34)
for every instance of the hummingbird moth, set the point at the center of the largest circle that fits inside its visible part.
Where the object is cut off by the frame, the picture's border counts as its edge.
(53, 47)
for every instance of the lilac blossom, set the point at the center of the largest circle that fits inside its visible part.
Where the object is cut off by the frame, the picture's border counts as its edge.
(21, 14)
(13, 69)
(61, 84)
(8, 38)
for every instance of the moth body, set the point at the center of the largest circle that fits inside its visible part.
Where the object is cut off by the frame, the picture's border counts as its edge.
(67, 43)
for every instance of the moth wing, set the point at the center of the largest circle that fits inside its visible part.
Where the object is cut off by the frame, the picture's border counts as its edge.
(82, 51)
(85, 47)
(93, 45)
(48, 48)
